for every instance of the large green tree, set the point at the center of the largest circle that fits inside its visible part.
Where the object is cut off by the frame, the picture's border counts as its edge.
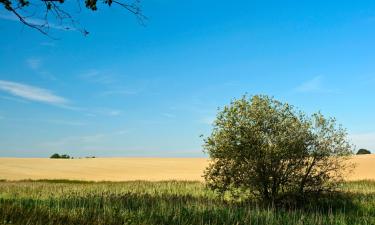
(269, 150)
(38, 14)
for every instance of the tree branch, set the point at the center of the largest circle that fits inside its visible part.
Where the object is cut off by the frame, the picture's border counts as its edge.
(64, 18)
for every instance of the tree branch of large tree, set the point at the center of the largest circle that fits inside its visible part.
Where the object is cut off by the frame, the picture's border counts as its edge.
(29, 13)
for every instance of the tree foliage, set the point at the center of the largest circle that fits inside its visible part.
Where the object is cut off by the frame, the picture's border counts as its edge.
(267, 149)
(38, 13)
(58, 156)
(363, 151)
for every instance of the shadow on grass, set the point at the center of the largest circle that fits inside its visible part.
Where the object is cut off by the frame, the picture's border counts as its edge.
(136, 208)
(106, 207)
(331, 202)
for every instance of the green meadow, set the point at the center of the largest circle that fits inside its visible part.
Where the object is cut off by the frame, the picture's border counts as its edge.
(170, 202)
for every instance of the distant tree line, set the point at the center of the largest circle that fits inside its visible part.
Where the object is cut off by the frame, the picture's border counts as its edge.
(65, 156)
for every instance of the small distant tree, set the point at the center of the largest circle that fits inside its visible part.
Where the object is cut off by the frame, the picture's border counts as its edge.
(55, 156)
(64, 156)
(267, 149)
(363, 152)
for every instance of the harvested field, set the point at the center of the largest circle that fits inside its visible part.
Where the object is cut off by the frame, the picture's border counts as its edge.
(127, 169)
(100, 169)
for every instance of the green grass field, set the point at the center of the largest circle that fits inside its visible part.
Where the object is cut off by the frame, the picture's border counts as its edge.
(74, 202)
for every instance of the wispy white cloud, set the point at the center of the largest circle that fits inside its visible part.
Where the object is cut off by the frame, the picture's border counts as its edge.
(114, 113)
(314, 85)
(118, 92)
(32, 93)
(84, 139)
(112, 84)
(66, 122)
(208, 120)
(50, 121)
(25, 93)
(169, 115)
(364, 140)
(34, 63)
(47, 75)
(75, 140)
(93, 112)
(96, 76)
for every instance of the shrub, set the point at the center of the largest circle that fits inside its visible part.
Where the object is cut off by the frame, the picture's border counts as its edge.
(363, 152)
(264, 148)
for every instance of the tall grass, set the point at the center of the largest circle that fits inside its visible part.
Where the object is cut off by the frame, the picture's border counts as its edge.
(172, 202)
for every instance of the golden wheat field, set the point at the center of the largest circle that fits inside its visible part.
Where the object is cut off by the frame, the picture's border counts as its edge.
(126, 169)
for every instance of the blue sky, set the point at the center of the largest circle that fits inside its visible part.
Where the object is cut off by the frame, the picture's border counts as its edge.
(130, 90)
